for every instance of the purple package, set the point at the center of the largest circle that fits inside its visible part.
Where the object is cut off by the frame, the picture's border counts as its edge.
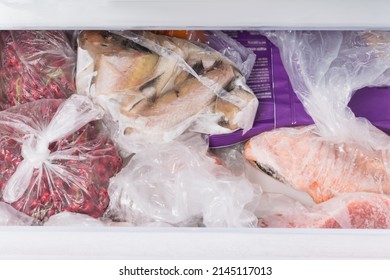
(278, 104)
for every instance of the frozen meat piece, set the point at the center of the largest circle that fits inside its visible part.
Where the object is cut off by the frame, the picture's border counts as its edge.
(305, 161)
(348, 210)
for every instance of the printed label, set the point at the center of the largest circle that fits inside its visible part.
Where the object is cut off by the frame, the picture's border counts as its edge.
(260, 80)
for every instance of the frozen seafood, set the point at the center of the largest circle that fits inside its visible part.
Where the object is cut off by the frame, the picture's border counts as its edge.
(305, 161)
(348, 210)
(159, 86)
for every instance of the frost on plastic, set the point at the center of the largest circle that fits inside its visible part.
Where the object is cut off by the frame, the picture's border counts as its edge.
(348, 210)
(53, 158)
(181, 184)
(35, 65)
(158, 86)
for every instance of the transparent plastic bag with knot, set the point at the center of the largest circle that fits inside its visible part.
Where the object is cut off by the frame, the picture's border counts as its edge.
(54, 158)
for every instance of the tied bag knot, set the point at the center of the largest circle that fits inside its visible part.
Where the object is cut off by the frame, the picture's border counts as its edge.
(35, 150)
(72, 115)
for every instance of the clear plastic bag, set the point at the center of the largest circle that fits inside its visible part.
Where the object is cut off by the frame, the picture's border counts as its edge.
(181, 184)
(35, 65)
(73, 219)
(242, 57)
(157, 86)
(53, 158)
(348, 210)
(341, 153)
(326, 68)
(11, 217)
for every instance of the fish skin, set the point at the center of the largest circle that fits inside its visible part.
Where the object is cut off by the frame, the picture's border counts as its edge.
(155, 92)
(231, 105)
(307, 162)
(176, 106)
(121, 73)
(122, 69)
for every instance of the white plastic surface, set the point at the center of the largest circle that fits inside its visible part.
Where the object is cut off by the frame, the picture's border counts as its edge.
(168, 243)
(221, 14)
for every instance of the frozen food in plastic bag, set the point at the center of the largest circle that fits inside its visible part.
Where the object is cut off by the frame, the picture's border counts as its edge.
(306, 161)
(158, 86)
(73, 219)
(242, 57)
(347, 210)
(11, 217)
(53, 158)
(279, 106)
(35, 65)
(341, 153)
(181, 184)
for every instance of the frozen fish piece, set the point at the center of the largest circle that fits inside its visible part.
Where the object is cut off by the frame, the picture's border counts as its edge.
(347, 210)
(159, 86)
(307, 162)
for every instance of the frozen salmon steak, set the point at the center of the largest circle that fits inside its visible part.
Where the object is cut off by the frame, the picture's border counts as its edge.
(305, 161)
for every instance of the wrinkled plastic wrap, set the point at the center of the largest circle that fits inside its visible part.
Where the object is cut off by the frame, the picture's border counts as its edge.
(156, 87)
(53, 158)
(279, 105)
(35, 65)
(11, 217)
(347, 210)
(181, 184)
(326, 68)
(73, 219)
(341, 153)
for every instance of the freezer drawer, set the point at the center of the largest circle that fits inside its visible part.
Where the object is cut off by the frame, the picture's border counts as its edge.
(168, 243)
(160, 243)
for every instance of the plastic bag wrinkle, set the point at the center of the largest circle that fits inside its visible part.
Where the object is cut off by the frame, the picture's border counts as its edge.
(181, 184)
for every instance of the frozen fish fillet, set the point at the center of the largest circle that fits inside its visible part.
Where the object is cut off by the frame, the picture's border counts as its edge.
(307, 162)
(165, 83)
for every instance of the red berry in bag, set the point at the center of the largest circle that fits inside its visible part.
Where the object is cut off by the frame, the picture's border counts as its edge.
(76, 180)
(35, 65)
